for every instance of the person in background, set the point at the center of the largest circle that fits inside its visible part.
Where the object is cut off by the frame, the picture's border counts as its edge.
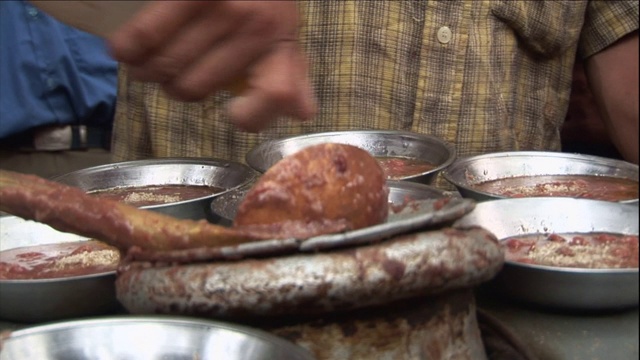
(583, 131)
(486, 76)
(57, 94)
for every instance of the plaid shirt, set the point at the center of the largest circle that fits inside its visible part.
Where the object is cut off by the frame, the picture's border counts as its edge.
(484, 75)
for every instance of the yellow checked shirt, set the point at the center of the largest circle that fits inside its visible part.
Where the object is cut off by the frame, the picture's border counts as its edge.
(484, 75)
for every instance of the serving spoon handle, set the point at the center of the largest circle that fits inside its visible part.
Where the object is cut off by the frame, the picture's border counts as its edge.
(70, 209)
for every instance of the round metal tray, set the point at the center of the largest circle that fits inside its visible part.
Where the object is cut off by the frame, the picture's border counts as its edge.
(165, 171)
(463, 173)
(147, 337)
(377, 142)
(569, 288)
(50, 299)
(413, 206)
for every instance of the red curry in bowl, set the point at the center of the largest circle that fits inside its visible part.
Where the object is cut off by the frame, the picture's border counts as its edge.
(588, 250)
(58, 260)
(156, 194)
(606, 188)
(397, 167)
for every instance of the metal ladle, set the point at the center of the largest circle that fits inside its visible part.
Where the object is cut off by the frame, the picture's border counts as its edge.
(276, 207)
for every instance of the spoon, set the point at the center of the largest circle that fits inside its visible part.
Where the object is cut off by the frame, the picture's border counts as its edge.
(315, 184)
(70, 209)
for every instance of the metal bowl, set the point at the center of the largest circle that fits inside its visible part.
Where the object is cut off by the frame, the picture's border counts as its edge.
(377, 142)
(224, 207)
(464, 173)
(166, 171)
(147, 337)
(50, 299)
(569, 288)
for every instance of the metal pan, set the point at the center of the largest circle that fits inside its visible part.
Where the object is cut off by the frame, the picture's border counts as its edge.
(224, 207)
(557, 287)
(414, 206)
(50, 299)
(377, 142)
(417, 206)
(224, 175)
(147, 337)
(465, 173)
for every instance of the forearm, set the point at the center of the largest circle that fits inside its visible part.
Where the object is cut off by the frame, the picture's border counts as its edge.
(613, 79)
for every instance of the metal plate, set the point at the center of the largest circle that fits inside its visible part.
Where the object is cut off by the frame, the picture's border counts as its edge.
(50, 299)
(377, 142)
(147, 337)
(419, 206)
(416, 215)
(465, 172)
(405, 266)
(569, 288)
(410, 216)
(224, 207)
(221, 174)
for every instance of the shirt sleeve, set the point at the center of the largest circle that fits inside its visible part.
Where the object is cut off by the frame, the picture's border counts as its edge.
(606, 21)
(52, 74)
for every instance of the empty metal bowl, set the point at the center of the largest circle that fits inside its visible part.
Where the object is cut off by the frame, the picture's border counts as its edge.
(166, 171)
(560, 287)
(465, 173)
(147, 337)
(379, 143)
(224, 207)
(50, 299)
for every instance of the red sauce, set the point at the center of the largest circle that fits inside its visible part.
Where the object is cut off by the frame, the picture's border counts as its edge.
(156, 194)
(578, 186)
(58, 260)
(396, 167)
(590, 250)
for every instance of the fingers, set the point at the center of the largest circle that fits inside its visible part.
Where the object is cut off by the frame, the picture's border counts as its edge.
(227, 61)
(208, 51)
(180, 53)
(194, 48)
(279, 86)
(154, 25)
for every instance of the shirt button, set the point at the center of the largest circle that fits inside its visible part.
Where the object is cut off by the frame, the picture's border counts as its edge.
(51, 83)
(444, 35)
(33, 12)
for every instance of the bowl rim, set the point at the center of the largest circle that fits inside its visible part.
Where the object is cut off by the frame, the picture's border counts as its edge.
(571, 270)
(160, 320)
(460, 164)
(102, 274)
(551, 200)
(9, 220)
(191, 161)
(451, 150)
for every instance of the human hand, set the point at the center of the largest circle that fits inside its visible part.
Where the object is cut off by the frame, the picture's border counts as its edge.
(194, 48)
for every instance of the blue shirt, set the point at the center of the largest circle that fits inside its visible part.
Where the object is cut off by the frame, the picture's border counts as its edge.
(51, 73)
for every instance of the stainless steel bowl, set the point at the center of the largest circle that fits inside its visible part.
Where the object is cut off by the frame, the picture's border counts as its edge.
(50, 299)
(148, 337)
(377, 142)
(224, 207)
(165, 171)
(570, 288)
(467, 171)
